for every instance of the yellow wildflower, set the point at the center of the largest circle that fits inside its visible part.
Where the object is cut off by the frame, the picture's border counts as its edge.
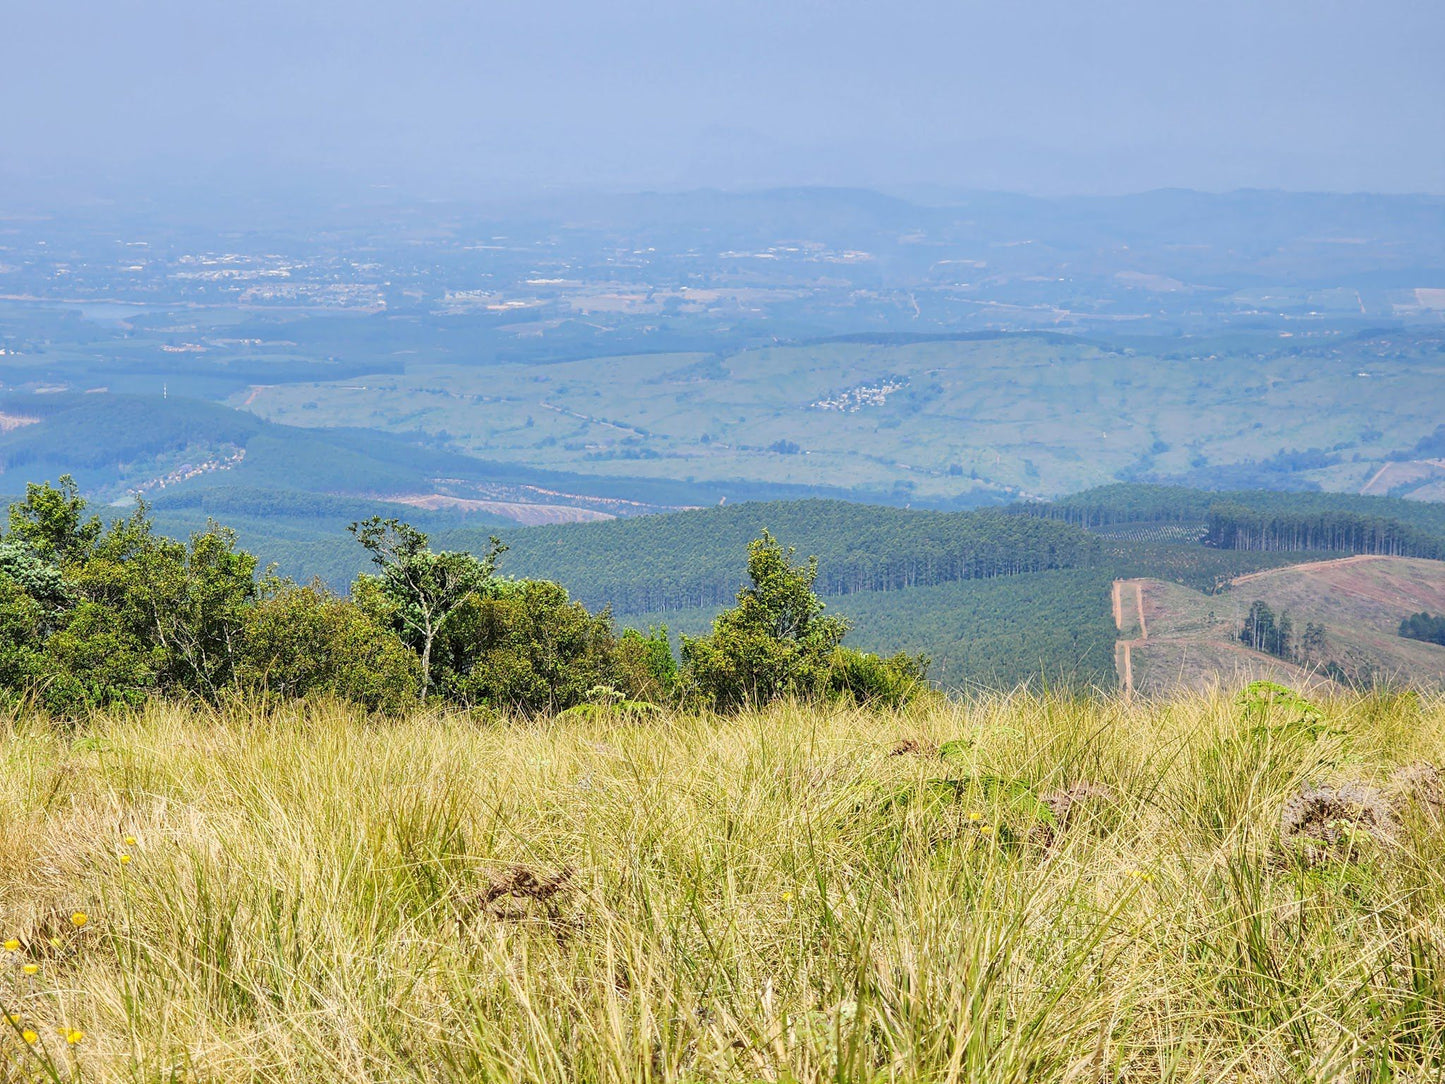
(975, 815)
(74, 1036)
(14, 1017)
(12, 945)
(29, 1036)
(80, 918)
(31, 969)
(130, 841)
(787, 897)
(55, 942)
(125, 858)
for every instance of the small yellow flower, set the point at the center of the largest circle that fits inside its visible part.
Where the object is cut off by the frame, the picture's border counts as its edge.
(14, 1017)
(787, 897)
(986, 829)
(124, 859)
(975, 815)
(80, 918)
(12, 945)
(74, 1036)
(29, 1036)
(31, 969)
(55, 942)
(130, 841)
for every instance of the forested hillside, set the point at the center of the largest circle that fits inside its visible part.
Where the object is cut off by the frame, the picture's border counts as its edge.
(1262, 520)
(1134, 503)
(654, 564)
(992, 600)
(995, 597)
(1236, 527)
(1050, 628)
(659, 563)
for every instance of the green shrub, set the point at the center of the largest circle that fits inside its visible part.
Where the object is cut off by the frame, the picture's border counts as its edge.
(303, 640)
(644, 666)
(526, 647)
(774, 643)
(871, 679)
(93, 662)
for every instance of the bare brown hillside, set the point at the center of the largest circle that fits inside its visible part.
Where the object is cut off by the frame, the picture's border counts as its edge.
(1173, 637)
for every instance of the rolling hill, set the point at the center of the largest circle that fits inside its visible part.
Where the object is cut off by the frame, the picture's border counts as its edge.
(1174, 636)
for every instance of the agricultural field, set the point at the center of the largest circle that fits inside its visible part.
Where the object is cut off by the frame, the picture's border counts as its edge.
(975, 419)
(1010, 888)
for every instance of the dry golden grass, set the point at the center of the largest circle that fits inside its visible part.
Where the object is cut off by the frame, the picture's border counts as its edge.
(790, 895)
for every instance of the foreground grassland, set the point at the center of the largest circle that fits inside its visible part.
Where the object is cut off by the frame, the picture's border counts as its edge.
(1009, 889)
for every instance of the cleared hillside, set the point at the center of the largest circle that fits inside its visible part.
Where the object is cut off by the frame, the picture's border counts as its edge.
(1191, 639)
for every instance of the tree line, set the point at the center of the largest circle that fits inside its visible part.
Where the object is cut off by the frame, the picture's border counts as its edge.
(1424, 626)
(1232, 526)
(95, 616)
(1130, 502)
(1263, 521)
(660, 563)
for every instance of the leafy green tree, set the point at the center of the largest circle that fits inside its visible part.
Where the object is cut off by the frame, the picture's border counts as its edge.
(302, 640)
(525, 646)
(775, 642)
(52, 522)
(21, 637)
(39, 578)
(105, 615)
(185, 603)
(92, 662)
(418, 589)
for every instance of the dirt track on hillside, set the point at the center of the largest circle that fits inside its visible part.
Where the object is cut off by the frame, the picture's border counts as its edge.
(1123, 652)
(1309, 566)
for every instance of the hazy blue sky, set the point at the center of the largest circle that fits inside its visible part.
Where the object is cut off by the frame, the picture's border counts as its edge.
(439, 97)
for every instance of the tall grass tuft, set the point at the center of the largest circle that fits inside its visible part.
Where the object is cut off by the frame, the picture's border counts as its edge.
(1016, 888)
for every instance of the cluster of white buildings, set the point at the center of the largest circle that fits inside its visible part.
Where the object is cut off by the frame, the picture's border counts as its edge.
(864, 395)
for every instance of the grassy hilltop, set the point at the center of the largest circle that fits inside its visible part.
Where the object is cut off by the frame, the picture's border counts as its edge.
(999, 889)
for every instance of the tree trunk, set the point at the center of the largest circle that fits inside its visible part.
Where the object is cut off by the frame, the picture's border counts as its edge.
(428, 635)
